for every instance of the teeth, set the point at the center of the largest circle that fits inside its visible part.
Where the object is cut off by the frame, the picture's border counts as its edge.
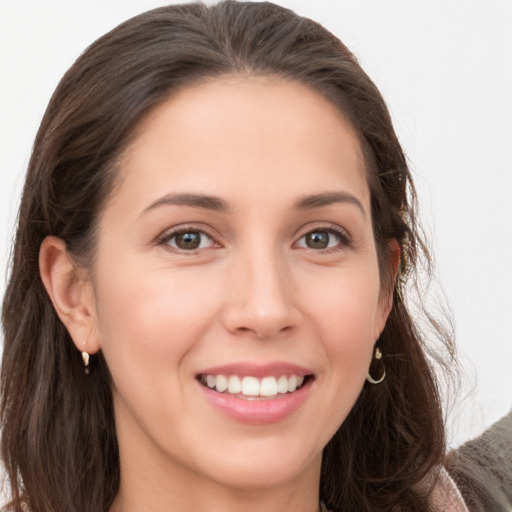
(251, 386)
(220, 383)
(234, 385)
(282, 384)
(268, 386)
(292, 383)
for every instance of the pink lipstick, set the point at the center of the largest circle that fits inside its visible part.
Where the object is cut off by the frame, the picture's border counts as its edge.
(256, 394)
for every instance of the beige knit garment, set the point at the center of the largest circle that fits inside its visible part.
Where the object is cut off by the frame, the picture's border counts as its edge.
(446, 497)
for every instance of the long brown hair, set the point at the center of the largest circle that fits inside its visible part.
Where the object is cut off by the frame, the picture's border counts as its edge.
(59, 443)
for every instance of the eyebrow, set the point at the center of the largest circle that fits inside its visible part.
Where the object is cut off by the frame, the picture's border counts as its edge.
(217, 204)
(328, 198)
(192, 200)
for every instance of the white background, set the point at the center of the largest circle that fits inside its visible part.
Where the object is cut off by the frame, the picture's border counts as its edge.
(445, 68)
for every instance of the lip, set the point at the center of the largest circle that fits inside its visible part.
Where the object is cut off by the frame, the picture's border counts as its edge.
(263, 411)
(257, 370)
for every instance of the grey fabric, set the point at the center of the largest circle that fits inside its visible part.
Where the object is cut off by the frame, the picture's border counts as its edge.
(482, 469)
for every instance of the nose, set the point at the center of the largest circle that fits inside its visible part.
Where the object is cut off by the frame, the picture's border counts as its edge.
(262, 298)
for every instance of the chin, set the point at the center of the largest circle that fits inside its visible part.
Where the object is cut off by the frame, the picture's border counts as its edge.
(255, 477)
(260, 467)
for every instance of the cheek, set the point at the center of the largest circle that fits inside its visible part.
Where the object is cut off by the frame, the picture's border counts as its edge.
(343, 310)
(150, 327)
(346, 310)
(151, 316)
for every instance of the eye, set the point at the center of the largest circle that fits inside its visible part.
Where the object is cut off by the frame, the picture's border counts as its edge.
(321, 239)
(188, 240)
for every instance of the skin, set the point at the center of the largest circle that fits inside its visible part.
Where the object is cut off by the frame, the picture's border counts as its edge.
(254, 291)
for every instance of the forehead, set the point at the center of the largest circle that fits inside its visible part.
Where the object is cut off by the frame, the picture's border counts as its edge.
(255, 133)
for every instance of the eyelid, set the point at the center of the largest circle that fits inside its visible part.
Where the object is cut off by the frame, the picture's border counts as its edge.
(164, 238)
(343, 234)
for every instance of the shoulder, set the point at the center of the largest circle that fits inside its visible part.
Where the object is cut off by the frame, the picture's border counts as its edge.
(443, 494)
(482, 468)
(446, 497)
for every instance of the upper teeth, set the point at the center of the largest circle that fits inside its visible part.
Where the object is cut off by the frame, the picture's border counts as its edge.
(252, 386)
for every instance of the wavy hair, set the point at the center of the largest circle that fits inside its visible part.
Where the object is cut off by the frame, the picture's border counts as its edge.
(59, 444)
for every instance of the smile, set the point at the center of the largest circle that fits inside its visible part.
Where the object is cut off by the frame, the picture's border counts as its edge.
(250, 387)
(256, 393)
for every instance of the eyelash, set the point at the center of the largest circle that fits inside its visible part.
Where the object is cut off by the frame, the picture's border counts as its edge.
(345, 240)
(165, 239)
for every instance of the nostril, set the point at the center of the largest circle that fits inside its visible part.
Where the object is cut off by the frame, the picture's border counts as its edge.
(261, 321)
(264, 331)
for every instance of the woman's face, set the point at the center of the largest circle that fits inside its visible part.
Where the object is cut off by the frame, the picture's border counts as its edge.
(237, 251)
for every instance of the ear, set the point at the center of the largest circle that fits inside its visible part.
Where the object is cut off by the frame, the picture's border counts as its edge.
(70, 292)
(388, 287)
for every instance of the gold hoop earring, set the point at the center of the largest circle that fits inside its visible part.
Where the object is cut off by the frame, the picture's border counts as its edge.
(85, 359)
(369, 378)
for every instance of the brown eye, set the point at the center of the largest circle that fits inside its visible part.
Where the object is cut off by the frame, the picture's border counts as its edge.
(321, 239)
(317, 240)
(189, 240)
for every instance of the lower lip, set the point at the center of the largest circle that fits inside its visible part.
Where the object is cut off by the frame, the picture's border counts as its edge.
(257, 412)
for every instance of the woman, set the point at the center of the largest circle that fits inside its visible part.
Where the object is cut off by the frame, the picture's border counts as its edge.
(206, 308)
